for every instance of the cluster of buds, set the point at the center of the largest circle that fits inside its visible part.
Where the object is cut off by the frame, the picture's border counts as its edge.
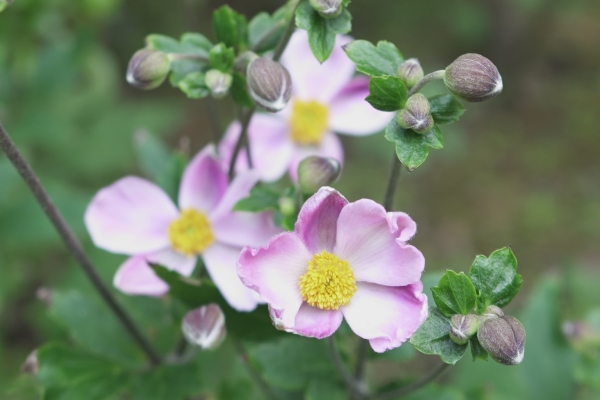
(269, 84)
(204, 327)
(416, 114)
(327, 8)
(148, 69)
(473, 78)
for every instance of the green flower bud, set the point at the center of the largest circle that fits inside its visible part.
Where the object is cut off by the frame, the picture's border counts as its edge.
(218, 82)
(148, 69)
(416, 114)
(204, 327)
(315, 172)
(287, 206)
(473, 78)
(269, 84)
(462, 327)
(327, 8)
(503, 338)
(4, 4)
(410, 72)
(493, 312)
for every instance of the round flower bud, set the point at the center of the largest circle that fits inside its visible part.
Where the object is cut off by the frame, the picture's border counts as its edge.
(269, 84)
(218, 82)
(148, 69)
(473, 78)
(410, 72)
(315, 172)
(503, 338)
(493, 312)
(416, 115)
(327, 8)
(462, 327)
(204, 327)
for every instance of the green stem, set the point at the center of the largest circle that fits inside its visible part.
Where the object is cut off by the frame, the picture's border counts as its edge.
(283, 42)
(363, 352)
(256, 377)
(413, 387)
(425, 80)
(354, 386)
(245, 120)
(390, 191)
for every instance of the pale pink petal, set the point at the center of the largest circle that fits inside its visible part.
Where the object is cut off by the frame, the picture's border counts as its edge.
(311, 80)
(270, 145)
(203, 183)
(221, 264)
(170, 259)
(350, 114)
(375, 252)
(131, 216)
(386, 316)
(274, 271)
(330, 146)
(317, 323)
(402, 225)
(318, 219)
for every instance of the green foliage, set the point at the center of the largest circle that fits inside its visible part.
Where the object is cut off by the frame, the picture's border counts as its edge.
(239, 91)
(454, 294)
(412, 148)
(445, 109)
(375, 61)
(321, 31)
(265, 31)
(387, 93)
(221, 57)
(324, 389)
(231, 28)
(194, 85)
(433, 337)
(477, 351)
(262, 198)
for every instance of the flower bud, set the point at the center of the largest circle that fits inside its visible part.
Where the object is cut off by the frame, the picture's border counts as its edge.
(503, 338)
(4, 4)
(493, 312)
(315, 172)
(218, 82)
(473, 78)
(462, 327)
(327, 8)
(416, 115)
(204, 327)
(410, 72)
(31, 364)
(148, 69)
(269, 84)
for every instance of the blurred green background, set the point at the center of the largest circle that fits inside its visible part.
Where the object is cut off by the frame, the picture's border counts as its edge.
(522, 169)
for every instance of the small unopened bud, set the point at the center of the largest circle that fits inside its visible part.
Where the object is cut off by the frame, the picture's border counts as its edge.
(462, 327)
(31, 364)
(287, 206)
(410, 72)
(416, 114)
(218, 82)
(269, 84)
(315, 172)
(148, 69)
(204, 327)
(4, 4)
(493, 312)
(473, 78)
(327, 8)
(503, 338)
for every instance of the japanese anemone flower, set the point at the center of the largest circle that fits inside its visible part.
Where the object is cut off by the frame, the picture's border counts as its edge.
(135, 217)
(343, 260)
(326, 98)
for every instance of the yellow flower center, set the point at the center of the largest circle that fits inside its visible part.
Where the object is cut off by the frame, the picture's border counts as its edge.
(309, 122)
(329, 282)
(191, 233)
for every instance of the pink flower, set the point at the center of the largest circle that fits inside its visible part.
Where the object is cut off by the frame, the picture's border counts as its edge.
(135, 217)
(325, 99)
(343, 260)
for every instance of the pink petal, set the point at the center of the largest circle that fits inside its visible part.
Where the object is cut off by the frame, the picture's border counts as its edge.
(312, 80)
(330, 146)
(318, 219)
(270, 146)
(349, 113)
(274, 272)
(386, 316)
(203, 183)
(317, 323)
(131, 216)
(221, 264)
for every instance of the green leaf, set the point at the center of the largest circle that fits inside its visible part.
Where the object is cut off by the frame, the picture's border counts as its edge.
(264, 31)
(477, 351)
(411, 148)
(239, 91)
(433, 337)
(221, 57)
(168, 382)
(433, 138)
(454, 294)
(325, 389)
(445, 109)
(230, 27)
(387, 93)
(262, 198)
(495, 278)
(375, 61)
(194, 85)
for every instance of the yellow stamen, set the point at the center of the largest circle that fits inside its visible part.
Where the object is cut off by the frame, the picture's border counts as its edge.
(191, 234)
(309, 122)
(329, 282)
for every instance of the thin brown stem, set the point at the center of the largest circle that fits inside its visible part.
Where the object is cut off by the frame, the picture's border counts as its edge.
(283, 42)
(390, 191)
(72, 243)
(361, 363)
(413, 387)
(243, 139)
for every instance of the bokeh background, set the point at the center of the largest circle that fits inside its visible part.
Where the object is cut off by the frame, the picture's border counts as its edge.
(522, 169)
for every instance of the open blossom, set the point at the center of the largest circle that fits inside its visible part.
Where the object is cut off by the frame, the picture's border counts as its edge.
(325, 99)
(343, 260)
(135, 217)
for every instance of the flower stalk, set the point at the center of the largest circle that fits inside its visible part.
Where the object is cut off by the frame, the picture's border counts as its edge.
(426, 79)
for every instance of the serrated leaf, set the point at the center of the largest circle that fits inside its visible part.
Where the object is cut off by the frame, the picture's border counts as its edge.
(264, 30)
(477, 351)
(433, 138)
(221, 57)
(495, 278)
(375, 61)
(262, 198)
(445, 109)
(194, 86)
(433, 337)
(411, 148)
(454, 294)
(239, 91)
(231, 28)
(387, 93)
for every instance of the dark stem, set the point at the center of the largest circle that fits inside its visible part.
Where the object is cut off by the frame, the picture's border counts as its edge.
(390, 191)
(243, 139)
(425, 80)
(363, 352)
(72, 243)
(413, 387)
(266, 36)
(353, 385)
(283, 42)
(256, 377)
